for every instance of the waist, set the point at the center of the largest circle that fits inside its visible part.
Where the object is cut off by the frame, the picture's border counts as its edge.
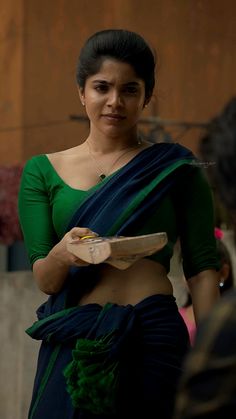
(129, 286)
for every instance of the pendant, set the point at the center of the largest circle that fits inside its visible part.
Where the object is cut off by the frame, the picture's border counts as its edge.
(102, 176)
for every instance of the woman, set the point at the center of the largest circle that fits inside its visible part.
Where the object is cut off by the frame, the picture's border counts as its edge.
(113, 341)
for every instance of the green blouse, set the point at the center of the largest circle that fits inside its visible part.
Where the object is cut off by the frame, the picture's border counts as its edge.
(47, 203)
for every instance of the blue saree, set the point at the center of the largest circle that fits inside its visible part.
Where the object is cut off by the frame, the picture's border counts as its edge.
(113, 361)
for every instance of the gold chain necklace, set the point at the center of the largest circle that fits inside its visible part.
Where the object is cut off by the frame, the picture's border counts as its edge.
(100, 170)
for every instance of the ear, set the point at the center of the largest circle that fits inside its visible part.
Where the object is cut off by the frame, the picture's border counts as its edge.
(146, 102)
(81, 95)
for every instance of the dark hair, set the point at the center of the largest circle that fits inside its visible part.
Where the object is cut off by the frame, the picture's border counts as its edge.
(219, 147)
(121, 45)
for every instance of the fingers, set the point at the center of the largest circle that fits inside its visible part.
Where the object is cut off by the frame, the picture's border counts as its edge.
(76, 233)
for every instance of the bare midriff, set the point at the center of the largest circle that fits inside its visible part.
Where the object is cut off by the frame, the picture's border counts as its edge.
(129, 286)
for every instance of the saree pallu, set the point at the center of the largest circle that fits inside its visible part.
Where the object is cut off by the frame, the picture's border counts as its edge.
(150, 344)
(144, 344)
(134, 191)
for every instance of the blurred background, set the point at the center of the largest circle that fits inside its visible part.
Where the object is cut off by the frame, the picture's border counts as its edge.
(40, 112)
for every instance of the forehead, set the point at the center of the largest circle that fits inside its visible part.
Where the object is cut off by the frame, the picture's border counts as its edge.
(114, 71)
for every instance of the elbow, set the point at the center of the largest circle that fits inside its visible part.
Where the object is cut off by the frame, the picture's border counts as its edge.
(205, 292)
(208, 278)
(48, 285)
(47, 281)
(47, 289)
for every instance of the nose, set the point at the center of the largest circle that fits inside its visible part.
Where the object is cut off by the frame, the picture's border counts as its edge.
(114, 99)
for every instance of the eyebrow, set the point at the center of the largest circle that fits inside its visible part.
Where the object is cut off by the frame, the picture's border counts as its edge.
(129, 83)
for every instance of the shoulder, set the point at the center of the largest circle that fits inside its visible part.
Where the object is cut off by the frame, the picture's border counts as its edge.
(40, 159)
(173, 151)
(67, 152)
(36, 169)
(35, 161)
(66, 157)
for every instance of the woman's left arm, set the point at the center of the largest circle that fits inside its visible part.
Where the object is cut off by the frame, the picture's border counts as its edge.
(196, 219)
(204, 288)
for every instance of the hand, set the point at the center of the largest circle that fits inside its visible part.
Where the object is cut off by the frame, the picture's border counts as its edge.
(75, 235)
(78, 233)
(60, 251)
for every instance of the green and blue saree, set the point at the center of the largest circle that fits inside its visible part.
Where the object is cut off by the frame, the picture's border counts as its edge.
(115, 361)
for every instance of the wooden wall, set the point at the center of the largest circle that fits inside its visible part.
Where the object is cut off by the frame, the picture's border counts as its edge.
(194, 39)
(11, 80)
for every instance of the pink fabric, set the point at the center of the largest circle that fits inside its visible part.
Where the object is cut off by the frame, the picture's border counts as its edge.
(219, 233)
(10, 230)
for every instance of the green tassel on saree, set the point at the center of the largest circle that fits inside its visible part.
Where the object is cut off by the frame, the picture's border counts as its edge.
(91, 379)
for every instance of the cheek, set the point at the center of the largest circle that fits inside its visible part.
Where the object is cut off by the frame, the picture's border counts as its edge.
(137, 108)
(94, 102)
(92, 108)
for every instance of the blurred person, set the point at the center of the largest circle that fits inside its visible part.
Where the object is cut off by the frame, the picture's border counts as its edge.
(218, 150)
(208, 385)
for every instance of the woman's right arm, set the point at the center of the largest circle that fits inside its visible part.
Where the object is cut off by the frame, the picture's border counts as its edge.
(48, 255)
(51, 271)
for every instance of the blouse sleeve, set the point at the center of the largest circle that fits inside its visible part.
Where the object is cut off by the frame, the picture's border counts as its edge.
(196, 222)
(35, 213)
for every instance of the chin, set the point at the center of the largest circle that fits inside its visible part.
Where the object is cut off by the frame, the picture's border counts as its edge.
(113, 132)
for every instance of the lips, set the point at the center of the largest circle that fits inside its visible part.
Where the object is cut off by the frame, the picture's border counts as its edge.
(114, 116)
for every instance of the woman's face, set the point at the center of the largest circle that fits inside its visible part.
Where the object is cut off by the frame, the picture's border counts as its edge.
(114, 98)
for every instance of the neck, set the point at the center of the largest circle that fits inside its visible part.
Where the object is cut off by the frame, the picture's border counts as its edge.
(101, 149)
(106, 145)
(106, 162)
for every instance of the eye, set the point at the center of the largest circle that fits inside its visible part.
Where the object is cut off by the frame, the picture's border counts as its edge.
(130, 90)
(101, 88)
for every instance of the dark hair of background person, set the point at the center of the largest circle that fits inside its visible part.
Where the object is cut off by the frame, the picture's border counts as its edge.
(121, 45)
(218, 148)
(208, 385)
